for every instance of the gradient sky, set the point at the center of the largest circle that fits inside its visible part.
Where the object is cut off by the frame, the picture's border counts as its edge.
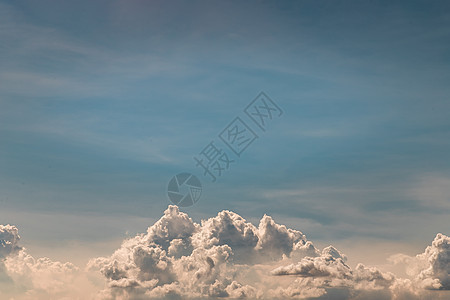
(101, 103)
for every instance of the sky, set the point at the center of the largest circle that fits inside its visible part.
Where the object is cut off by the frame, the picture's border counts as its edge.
(102, 103)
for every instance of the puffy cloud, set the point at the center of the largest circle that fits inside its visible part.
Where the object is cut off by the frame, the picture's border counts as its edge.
(227, 257)
(24, 277)
(180, 258)
(39, 276)
(222, 257)
(430, 269)
(228, 228)
(174, 229)
(276, 240)
(9, 239)
(267, 242)
(323, 276)
(304, 248)
(437, 273)
(328, 276)
(330, 263)
(177, 257)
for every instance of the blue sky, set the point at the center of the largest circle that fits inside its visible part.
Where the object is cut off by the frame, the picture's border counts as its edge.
(102, 103)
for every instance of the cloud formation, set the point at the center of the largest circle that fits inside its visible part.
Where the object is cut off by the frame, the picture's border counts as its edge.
(430, 270)
(222, 257)
(24, 277)
(9, 239)
(226, 256)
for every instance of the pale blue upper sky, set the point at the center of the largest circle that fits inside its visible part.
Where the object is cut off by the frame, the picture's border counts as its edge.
(102, 102)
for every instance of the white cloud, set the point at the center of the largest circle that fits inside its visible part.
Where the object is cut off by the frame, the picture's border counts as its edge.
(437, 273)
(24, 277)
(430, 269)
(226, 256)
(178, 257)
(40, 276)
(9, 239)
(330, 263)
(223, 257)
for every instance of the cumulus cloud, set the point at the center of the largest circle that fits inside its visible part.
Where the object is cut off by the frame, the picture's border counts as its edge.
(227, 257)
(179, 258)
(24, 277)
(267, 242)
(328, 275)
(222, 257)
(437, 256)
(9, 239)
(431, 269)
(330, 263)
